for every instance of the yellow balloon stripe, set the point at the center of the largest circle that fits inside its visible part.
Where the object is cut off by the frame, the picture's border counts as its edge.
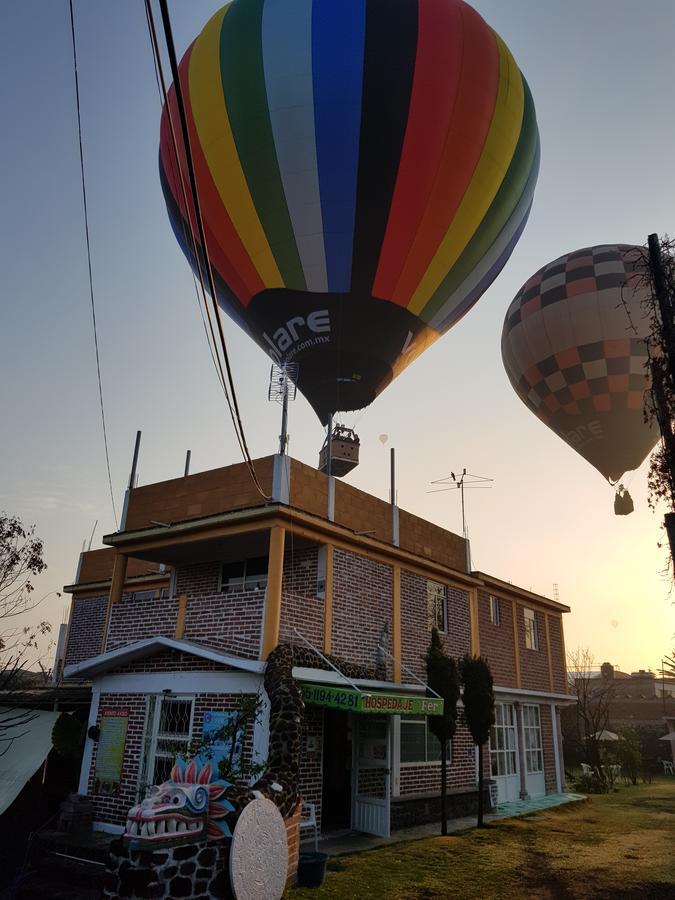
(217, 143)
(494, 161)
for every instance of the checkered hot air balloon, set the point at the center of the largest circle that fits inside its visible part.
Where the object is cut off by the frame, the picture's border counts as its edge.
(365, 169)
(574, 349)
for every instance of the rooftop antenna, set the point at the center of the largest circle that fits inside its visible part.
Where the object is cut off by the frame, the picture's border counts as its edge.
(92, 535)
(461, 482)
(556, 593)
(283, 380)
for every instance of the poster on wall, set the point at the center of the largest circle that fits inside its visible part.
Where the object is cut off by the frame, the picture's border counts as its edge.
(110, 751)
(217, 739)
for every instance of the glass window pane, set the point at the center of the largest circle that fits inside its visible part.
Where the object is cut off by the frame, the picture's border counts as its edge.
(175, 717)
(413, 741)
(433, 747)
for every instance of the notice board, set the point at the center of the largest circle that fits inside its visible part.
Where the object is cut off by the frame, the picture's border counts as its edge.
(110, 753)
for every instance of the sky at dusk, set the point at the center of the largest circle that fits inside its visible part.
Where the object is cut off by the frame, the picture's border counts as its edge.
(601, 74)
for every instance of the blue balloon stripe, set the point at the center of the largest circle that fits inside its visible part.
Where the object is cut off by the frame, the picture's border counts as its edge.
(338, 41)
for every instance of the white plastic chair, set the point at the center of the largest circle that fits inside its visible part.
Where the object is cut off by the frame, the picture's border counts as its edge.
(668, 767)
(308, 820)
(586, 769)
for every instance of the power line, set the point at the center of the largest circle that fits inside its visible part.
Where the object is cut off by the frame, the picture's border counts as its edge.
(231, 396)
(91, 280)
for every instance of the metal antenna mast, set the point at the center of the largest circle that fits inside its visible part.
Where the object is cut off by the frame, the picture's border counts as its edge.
(282, 389)
(468, 481)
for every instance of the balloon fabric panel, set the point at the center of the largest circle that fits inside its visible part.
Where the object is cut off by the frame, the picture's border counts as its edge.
(364, 167)
(575, 360)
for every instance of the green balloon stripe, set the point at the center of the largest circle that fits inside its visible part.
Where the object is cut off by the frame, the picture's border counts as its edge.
(505, 201)
(243, 78)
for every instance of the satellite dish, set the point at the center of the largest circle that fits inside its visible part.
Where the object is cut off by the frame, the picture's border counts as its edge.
(383, 439)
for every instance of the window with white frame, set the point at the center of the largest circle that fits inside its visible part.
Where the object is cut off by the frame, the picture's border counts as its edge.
(531, 631)
(503, 741)
(534, 755)
(437, 605)
(495, 613)
(168, 732)
(418, 743)
(247, 575)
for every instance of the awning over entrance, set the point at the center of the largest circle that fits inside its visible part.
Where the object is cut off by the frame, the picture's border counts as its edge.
(377, 702)
(26, 741)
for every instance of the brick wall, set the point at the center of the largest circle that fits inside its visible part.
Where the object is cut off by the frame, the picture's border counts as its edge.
(533, 663)
(416, 624)
(426, 779)
(231, 622)
(300, 607)
(132, 620)
(549, 751)
(496, 641)
(114, 809)
(362, 603)
(86, 628)
(557, 653)
(311, 771)
(170, 661)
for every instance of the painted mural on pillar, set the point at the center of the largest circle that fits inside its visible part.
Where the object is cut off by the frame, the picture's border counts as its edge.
(363, 168)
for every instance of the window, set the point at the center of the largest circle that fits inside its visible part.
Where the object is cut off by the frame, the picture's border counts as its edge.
(248, 575)
(168, 731)
(495, 616)
(503, 741)
(418, 743)
(534, 757)
(144, 595)
(164, 593)
(437, 606)
(531, 631)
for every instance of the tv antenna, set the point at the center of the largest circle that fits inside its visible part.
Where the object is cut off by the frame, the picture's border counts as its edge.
(461, 482)
(283, 380)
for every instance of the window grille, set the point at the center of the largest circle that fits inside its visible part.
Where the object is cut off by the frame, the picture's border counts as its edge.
(437, 605)
(503, 741)
(531, 631)
(534, 756)
(168, 732)
(247, 575)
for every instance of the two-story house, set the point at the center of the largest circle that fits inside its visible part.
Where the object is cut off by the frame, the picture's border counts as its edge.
(174, 620)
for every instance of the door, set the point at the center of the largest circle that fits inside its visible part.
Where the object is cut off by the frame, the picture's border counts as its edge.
(534, 754)
(371, 788)
(336, 793)
(504, 753)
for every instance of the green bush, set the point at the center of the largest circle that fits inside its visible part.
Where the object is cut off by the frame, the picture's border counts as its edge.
(629, 754)
(590, 784)
(68, 736)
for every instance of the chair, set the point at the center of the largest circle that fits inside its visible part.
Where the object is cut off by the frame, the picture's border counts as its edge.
(668, 767)
(586, 769)
(308, 820)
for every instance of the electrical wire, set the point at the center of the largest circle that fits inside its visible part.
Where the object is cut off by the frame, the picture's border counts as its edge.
(231, 396)
(91, 280)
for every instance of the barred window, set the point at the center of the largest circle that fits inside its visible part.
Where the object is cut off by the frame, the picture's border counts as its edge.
(247, 575)
(168, 731)
(437, 605)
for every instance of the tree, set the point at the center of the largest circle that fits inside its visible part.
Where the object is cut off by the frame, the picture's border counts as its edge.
(479, 710)
(591, 714)
(443, 679)
(668, 666)
(21, 558)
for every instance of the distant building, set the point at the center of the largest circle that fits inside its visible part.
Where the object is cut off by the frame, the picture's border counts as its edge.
(176, 618)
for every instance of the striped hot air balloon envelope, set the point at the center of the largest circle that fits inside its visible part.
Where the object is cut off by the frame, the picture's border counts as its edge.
(364, 168)
(574, 349)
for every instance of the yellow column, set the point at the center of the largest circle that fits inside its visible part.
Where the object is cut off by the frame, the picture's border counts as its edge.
(516, 644)
(328, 602)
(180, 618)
(548, 653)
(275, 571)
(473, 619)
(396, 623)
(119, 576)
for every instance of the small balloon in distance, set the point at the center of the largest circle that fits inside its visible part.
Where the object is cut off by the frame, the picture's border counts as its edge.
(383, 439)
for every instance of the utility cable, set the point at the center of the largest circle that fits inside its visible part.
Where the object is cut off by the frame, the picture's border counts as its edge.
(232, 396)
(91, 280)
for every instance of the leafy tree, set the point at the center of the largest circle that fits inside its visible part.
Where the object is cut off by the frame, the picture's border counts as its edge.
(21, 558)
(443, 679)
(479, 710)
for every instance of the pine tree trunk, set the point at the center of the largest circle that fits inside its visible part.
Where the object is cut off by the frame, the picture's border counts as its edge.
(444, 778)
(480, 785)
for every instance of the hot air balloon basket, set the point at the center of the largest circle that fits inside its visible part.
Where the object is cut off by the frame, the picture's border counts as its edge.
(344, 449)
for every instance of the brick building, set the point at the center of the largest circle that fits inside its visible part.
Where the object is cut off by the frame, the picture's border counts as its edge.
(173, 621)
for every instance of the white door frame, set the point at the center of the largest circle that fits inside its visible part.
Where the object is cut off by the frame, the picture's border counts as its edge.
(372, 812)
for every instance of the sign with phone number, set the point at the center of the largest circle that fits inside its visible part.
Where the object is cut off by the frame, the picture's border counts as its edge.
(361, 702)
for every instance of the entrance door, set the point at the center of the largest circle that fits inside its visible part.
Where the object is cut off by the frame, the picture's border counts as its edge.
(534, 752)
(336, 795)
(504, 753)
(371, 789)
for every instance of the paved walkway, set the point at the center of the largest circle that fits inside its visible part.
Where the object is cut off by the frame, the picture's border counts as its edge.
(340, 843)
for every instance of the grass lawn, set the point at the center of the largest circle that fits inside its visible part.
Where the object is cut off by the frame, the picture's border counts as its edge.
(621, 845)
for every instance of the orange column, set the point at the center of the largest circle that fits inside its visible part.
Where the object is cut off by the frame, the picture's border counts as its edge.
(516, 644)
(119, 576)
(275, 572)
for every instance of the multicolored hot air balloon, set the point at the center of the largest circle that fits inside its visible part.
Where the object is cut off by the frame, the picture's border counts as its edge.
(364, 169)
(574, 349)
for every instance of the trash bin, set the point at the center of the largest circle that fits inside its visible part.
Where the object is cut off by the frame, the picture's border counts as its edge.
(311, 869)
